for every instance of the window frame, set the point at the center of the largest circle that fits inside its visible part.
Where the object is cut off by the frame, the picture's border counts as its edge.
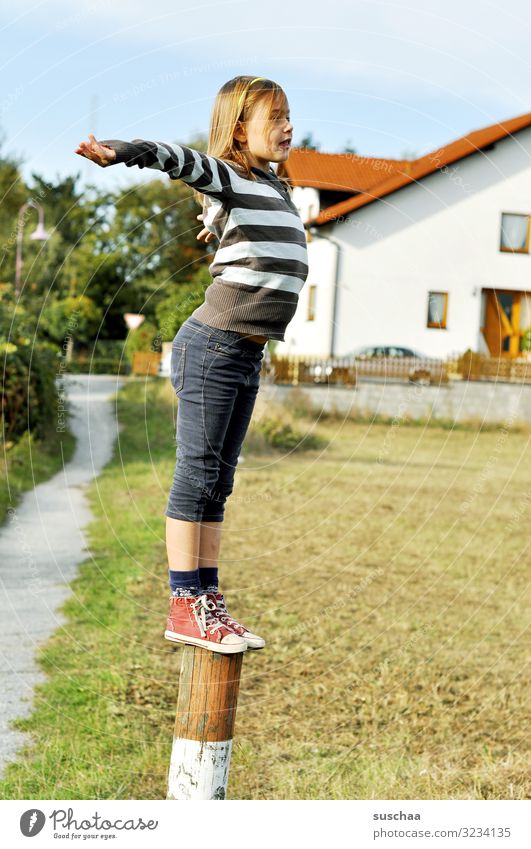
(525, 249)
(439, 325)
(312, 297)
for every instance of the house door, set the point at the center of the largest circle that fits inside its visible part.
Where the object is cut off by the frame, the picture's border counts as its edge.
(502, 323)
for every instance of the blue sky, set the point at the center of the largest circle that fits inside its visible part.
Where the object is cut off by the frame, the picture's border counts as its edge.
(391, 79)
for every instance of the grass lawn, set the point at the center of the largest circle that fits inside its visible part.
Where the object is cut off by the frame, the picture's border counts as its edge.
(27, 462)
(387, 572)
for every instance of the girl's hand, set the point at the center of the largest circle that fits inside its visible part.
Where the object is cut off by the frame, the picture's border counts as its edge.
(99, 153)
(205, 235)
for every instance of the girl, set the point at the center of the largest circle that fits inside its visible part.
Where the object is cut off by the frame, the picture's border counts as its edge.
(258, 271)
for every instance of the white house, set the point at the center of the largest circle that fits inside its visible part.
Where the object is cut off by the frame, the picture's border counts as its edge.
(431, 254)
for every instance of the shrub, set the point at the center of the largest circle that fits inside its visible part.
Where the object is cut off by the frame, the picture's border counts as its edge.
(181, 301)
(280, 434)
(29, 391)
(144, 338)
(108, 348)
(300, 404)
(78, 317)
(99, 365)
(106, 356)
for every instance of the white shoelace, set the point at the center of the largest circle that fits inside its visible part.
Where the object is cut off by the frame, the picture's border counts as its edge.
(202, 609)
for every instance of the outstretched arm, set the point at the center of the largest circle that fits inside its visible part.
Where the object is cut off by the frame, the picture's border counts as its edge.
(204, 173)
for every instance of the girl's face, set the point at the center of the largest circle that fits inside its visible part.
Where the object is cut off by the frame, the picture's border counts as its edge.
(266, 139)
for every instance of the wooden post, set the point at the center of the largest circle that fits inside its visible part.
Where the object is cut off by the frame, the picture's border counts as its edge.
(206, 710)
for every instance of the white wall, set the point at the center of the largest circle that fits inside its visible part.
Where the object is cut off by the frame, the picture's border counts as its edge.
(306, 199)
(303, 336)
(442, 233)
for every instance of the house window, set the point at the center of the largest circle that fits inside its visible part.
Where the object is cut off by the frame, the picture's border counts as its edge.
(437, 309)
(312, 294)
(514, 233)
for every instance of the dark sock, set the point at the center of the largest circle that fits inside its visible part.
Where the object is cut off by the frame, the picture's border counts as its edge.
(209, 578)
(185, 583)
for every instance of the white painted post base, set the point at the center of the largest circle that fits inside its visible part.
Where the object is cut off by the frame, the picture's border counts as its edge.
(198, 769)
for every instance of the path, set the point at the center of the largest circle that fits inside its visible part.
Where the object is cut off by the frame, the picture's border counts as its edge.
(41, 545)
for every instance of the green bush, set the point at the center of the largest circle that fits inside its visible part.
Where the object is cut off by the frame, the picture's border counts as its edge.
(282, 435)
(78, 317)
(144, 338)
(300, 405)
(98, 365)
(107, 349)
(29, 391)
(104, 356)
(181, 301)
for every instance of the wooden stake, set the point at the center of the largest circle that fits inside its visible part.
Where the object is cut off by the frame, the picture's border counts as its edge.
(206, 710)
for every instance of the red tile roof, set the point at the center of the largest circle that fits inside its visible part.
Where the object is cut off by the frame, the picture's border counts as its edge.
(337, 171)
(369, 177)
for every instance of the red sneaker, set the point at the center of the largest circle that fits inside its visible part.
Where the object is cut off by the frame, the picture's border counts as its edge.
(192, 620)
(253, 640)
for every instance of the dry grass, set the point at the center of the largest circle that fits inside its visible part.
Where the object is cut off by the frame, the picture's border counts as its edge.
(387, 572)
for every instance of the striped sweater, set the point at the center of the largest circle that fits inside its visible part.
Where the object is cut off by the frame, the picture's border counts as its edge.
(261, 263)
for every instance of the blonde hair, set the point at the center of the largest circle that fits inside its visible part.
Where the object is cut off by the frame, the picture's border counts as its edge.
(235, 103)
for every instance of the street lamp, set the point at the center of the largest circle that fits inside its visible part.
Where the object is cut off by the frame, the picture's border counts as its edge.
(39, 235)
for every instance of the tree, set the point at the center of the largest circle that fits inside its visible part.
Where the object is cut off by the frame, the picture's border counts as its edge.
(152, 240)
(13, 193)
(143, 338)
(309, 143)
(63, 205)
(180, 302)
(72, 318)
(349, 149)
(124, 251)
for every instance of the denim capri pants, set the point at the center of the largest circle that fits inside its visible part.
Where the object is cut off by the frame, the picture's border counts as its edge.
(215, 375)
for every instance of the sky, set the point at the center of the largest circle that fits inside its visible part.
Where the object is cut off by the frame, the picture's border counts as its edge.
(389, 79)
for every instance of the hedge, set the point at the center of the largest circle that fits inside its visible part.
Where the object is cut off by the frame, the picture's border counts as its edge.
(98, 365)
(29, 392)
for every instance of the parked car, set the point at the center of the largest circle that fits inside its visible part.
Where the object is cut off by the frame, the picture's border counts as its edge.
(384, 361)
(367, 351)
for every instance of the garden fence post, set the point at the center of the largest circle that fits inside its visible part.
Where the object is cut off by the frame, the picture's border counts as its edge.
(204, 724)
